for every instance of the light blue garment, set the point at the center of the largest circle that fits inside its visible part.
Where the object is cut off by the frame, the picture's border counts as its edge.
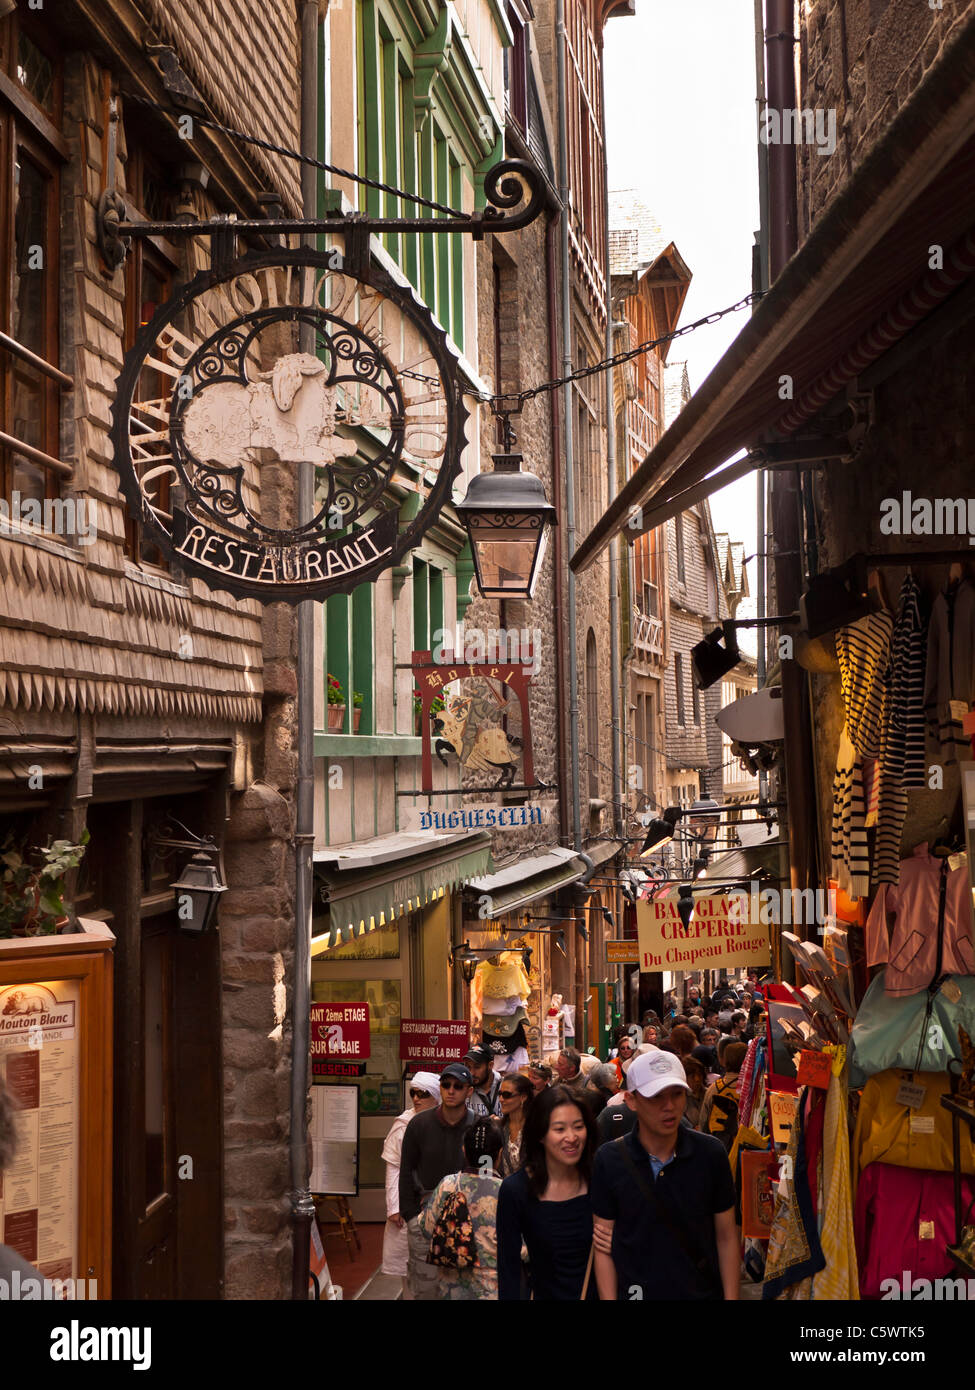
(887, 1031)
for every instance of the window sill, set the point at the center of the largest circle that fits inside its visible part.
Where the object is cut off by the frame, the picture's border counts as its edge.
(367, 746)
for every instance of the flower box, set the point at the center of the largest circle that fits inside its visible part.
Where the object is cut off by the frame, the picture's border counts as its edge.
(336, 718)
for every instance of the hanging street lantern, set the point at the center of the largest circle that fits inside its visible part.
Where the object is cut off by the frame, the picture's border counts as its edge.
(506, 515)
(198, 891)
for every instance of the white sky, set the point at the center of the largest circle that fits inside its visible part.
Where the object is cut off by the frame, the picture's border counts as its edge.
(681, 129)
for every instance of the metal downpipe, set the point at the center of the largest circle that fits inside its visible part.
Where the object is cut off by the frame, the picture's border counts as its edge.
(302, 1206)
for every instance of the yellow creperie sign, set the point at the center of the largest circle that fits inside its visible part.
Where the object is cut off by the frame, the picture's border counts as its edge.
(720, 934)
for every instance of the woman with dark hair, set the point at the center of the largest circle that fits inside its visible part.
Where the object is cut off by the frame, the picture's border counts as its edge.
(546, 1204)
(515, 1099)
(459, 1241)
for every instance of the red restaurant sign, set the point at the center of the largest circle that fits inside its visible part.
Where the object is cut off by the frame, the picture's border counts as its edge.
(433, 1041)
(340, 1032)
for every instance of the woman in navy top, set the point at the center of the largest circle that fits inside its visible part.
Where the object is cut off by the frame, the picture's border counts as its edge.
(546, 1204)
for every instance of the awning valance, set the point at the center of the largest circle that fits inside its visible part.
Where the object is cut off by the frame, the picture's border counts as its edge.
(828, 314)
(371, 883)
(499, 893)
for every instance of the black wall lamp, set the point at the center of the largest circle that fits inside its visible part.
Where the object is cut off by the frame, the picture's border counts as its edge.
(712, 660)
(201, 882)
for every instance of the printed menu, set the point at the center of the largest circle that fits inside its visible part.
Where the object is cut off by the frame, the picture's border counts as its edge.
(40, 1059)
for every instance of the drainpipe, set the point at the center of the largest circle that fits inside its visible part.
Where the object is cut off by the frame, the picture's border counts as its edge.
(574, 962)
(560, 565)
(302, 1206)
(616, 718)
(570, 494)
(762, 281)
(784, 492)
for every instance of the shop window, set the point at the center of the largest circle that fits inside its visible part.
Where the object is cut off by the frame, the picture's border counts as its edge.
(516, 72)
(592, 713)
(31, 381)
(681, 558)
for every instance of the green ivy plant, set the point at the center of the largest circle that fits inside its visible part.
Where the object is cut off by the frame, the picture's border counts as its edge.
(32, 895)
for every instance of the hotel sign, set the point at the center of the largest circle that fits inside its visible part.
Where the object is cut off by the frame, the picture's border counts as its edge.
(288, 362)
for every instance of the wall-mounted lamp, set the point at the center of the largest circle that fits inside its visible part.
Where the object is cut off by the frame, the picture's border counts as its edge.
(467, 959)
(201, 882)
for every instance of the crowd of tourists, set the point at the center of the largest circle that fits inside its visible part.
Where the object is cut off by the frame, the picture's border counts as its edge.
(591, 1178)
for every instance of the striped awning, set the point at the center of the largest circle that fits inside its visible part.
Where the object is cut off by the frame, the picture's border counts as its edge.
(373, 882)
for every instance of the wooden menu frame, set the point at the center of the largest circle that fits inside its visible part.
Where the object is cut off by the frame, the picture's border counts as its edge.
(84, 957)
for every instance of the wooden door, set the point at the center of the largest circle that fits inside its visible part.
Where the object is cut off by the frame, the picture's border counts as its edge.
(157, 1226)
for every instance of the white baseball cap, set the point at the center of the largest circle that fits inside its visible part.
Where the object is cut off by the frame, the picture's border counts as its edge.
(653, 1072)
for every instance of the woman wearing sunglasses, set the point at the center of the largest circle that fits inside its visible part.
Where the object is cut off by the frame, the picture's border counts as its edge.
(515, 1098)
(546, 1204)
(424, 1094)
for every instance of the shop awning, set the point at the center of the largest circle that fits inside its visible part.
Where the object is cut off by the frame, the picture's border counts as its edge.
(524, 882)
(862, 279)
(768, 858)
(370, 883)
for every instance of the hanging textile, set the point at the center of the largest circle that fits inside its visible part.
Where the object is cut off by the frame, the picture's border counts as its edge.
(949, 680)
(794, 1251)
(839, 1279)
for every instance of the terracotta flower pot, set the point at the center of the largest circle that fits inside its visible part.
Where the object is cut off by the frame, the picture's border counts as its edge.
(356, 716)
(336, 718)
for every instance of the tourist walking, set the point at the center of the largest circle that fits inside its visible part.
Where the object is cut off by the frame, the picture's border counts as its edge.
(515, 1098)
(432, 1148)
(546, 1205)
(460, 1219)
(424, 1090)
(663, 1199)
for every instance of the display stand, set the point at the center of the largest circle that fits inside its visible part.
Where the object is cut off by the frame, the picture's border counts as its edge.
(959, 1113)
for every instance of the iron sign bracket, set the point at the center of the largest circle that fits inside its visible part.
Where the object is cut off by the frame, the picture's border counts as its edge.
(513, 189)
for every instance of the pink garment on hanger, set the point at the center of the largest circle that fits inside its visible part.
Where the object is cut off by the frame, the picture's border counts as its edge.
(902, 928)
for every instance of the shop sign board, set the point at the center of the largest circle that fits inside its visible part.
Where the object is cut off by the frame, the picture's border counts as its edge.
(621, 952)
(470, 719)
(486, 817)
(433, 1041)
(719, 935)
(783, 1109)
(339, 1035)
(287, 360)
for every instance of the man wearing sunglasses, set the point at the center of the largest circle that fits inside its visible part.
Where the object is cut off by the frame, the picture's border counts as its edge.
(433, 1146)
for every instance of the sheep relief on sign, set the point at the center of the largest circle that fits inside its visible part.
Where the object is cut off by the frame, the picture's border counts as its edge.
(287, 362)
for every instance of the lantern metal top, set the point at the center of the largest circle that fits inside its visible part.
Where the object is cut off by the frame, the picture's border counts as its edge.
(507, 489)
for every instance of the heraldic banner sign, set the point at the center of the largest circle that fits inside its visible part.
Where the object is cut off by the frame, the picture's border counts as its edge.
(287, 360)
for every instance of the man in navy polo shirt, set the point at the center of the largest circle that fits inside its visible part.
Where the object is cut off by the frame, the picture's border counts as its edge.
(663, 1198)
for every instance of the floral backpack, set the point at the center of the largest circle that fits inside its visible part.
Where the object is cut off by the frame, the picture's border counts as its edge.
(452, 1243)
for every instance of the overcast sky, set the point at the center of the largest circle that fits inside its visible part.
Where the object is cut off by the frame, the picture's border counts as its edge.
(681, 129)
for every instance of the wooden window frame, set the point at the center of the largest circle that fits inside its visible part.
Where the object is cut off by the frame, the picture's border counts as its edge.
(34, 130)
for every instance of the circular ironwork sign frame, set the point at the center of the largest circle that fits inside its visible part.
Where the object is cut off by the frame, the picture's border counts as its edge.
(217, 407)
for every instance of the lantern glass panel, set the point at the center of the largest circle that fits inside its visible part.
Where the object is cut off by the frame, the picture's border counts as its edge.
(508, 557)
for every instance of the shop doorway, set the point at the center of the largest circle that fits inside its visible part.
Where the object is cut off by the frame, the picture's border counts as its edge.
(168, 1202)
(383, 968)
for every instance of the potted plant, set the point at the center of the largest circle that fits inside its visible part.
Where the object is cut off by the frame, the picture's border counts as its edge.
(336, 705)
(357, 699)
(436, 707)
(32, 896)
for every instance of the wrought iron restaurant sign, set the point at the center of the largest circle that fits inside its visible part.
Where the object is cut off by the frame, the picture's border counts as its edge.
(287, 361)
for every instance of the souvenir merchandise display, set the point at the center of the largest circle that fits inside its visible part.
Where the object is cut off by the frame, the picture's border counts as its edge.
(499, 999)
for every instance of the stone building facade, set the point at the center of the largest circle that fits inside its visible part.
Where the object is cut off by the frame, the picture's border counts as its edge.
(141, 694)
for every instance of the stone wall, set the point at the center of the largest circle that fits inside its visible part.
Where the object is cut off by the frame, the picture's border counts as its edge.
(524, 357)
(862, 59)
